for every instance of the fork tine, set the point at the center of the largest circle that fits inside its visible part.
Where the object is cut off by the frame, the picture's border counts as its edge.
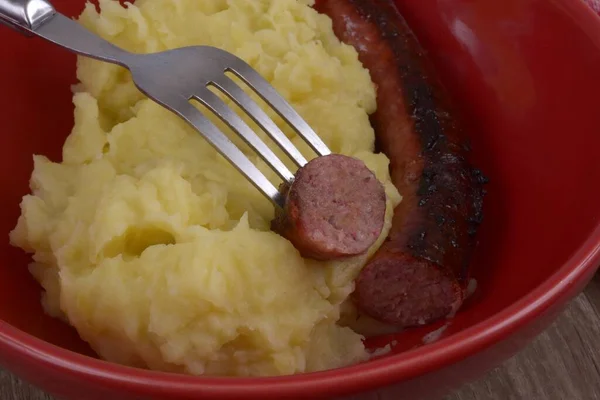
(279, 104)
(235, 93)
(227, 115)
(229, 150)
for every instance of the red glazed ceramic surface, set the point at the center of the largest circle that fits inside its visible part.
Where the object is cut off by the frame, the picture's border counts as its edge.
(523, 74)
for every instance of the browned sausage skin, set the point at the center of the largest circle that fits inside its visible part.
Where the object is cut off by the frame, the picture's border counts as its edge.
(335, 208)
(420, 272)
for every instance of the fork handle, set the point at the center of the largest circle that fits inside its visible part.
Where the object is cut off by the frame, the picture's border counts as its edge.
(38, 17)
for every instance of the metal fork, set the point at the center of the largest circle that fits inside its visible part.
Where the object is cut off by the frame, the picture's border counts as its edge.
(173, 78)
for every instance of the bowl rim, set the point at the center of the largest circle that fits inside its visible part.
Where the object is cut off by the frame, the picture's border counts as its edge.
(365, 376)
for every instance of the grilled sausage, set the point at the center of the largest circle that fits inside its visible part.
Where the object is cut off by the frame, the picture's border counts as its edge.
(335, 208)
(420, 272)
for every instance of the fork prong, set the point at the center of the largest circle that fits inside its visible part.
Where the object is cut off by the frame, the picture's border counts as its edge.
(268, 93)
(245, 102)
(228, 150)
(227, 115)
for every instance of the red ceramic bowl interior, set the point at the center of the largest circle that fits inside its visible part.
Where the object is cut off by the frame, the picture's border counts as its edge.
(524, 76)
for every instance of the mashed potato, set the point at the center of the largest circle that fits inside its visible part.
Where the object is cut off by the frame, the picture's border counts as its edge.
(156, 249)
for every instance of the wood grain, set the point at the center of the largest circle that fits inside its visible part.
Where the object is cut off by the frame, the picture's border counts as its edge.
(562, 363)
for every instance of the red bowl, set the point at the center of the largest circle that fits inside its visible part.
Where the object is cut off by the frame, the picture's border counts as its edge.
(524, 74)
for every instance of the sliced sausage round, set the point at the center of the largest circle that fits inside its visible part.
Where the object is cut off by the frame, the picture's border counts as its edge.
(335, 208)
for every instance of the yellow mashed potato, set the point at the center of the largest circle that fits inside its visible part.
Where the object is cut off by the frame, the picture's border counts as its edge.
(156, 249)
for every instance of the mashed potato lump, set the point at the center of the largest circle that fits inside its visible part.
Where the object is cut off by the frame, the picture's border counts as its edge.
(153, 246)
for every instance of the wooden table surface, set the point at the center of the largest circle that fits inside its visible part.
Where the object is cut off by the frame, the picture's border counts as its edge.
(563, 363)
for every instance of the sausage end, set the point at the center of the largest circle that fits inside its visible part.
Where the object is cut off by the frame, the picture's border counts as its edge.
(404, 291)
